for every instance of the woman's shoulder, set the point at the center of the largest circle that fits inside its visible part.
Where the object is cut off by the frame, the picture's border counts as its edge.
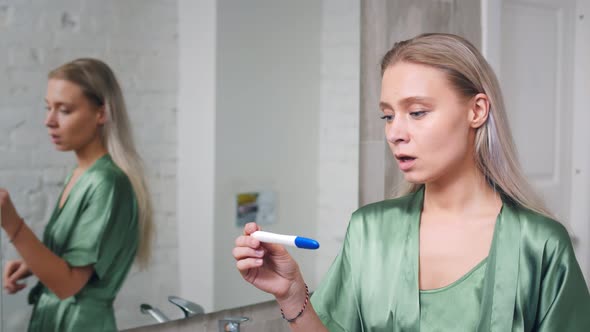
(385, 224)
(399, 204)
(388, 214)
(541, 228)
(106, 174)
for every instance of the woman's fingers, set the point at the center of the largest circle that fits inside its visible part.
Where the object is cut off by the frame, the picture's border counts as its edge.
(9, 288)
(13, 272)
(250, 228)
(5, 274)
(14, 288)
(9, 282)
(23, 270)
(248, 263)
(246, 252)
(17, 288)
(16, 276)
(9, 270)
(247, 241)
(9, 285)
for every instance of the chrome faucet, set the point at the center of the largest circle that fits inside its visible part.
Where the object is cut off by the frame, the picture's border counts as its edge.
(188, 308)
(154, 312)
(231, 324)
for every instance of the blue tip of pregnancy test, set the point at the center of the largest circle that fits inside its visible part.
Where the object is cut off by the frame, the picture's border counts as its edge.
(305, 243)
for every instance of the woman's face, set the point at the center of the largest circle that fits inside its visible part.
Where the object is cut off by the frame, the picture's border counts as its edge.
(429, 129)
(73, 121)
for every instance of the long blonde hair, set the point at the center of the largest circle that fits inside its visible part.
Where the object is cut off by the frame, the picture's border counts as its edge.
(100, 86)
(469, 73)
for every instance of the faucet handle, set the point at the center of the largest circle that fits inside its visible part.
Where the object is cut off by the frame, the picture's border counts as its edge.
(188, 308)
(231, 324)
(154, 312)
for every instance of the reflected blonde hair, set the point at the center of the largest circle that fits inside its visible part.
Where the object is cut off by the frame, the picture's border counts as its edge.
(469, 74)
(100, 86)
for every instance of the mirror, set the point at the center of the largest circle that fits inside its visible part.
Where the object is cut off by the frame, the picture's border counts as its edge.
(265, 72)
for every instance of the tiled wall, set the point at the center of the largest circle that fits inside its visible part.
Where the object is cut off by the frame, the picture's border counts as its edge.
(36, 36)
(384, 23)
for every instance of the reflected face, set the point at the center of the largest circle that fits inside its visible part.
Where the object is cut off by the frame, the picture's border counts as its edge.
(427, 125)
(73, 121)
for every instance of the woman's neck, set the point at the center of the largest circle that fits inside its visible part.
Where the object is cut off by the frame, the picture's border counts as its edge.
(90, 153)
(464, 193)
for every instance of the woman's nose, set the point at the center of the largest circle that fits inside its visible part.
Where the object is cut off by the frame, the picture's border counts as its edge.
(397, 132)
(50, 120)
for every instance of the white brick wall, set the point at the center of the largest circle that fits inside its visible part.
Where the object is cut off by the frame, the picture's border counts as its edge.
(338, 168)
(139, 40)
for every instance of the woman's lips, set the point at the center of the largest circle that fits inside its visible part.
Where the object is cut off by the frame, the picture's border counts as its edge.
(55, 139)
(405, 162)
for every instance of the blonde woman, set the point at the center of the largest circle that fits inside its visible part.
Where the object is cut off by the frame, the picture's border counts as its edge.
(468, 247)
(102, 220)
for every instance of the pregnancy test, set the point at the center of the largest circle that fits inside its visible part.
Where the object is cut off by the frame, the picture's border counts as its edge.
(287, 240)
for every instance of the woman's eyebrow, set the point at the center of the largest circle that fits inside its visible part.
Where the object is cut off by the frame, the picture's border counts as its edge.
(59, 103)
(408, 101)
(383, 106)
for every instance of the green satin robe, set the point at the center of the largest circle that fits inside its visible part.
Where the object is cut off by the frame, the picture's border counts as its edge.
(98, 225)
(465, 296)
(532, 280)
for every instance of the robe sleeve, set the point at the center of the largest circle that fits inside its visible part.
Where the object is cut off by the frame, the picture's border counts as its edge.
(335, 300)
(564, 303)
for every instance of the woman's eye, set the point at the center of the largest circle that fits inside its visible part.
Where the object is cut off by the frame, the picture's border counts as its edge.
(418, 114)
(387, 118)
(64, 111)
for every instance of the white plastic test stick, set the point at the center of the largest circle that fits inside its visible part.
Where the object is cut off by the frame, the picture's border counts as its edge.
(286, 240)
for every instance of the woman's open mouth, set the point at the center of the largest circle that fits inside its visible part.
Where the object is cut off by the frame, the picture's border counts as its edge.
(55, 139)
(405, 162)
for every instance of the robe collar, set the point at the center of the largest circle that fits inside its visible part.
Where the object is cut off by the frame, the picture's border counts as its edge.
(501, 276)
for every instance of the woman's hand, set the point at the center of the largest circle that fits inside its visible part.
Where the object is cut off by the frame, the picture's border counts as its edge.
(8, 215)
(268, 267)
(53, 271)
(15, 271)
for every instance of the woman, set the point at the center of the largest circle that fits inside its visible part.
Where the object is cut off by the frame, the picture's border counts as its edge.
(468, 247)
(103, 218)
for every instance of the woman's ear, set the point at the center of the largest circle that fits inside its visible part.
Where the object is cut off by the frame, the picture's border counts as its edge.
(479, 110)
(101, 115)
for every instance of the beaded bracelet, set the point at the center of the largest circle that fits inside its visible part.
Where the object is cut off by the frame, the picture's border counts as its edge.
(302, 309)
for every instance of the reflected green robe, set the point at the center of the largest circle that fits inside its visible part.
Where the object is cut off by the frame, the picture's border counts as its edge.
(98, 225)
(532, 280)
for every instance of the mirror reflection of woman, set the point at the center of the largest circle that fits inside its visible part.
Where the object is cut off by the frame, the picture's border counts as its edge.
(102, 221)
(467, 247)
